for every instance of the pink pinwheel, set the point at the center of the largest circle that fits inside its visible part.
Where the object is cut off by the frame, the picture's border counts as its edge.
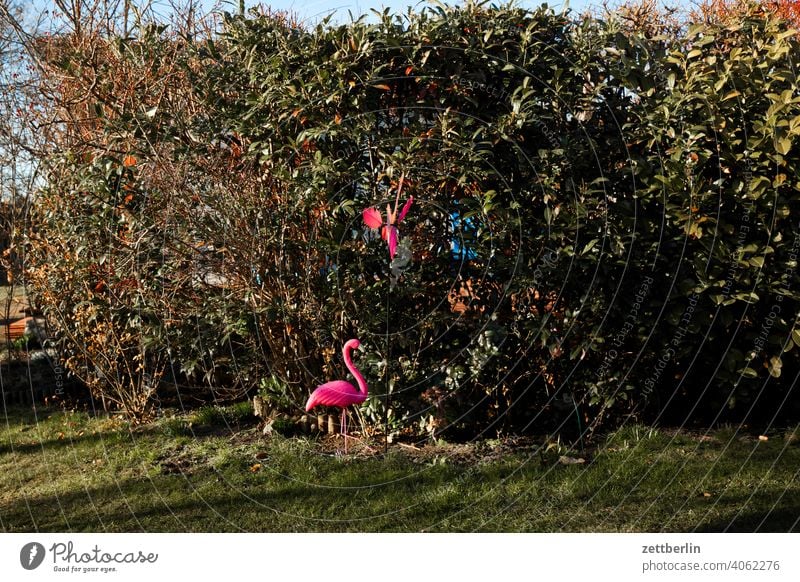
(340, 393)
(389, 233)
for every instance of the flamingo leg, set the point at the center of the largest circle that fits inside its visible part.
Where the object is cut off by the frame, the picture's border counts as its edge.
(344, 428)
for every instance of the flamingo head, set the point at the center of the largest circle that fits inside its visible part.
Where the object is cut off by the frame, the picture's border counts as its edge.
(353, 344)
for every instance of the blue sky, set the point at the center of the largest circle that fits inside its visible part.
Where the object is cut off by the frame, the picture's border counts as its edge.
(315, 9)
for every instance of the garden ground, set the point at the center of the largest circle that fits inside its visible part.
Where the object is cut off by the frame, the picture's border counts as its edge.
(213, 470)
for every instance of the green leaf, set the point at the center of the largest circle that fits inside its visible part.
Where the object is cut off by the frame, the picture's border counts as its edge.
(706, 39)
(783, 145)
(748, 373)
(750, 297)
(774, 366)
(589, 246)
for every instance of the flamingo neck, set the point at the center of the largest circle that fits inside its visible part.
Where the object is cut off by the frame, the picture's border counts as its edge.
(362, 384)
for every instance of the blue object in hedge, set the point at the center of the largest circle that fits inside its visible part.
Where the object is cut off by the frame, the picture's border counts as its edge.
(328, 266)
(466, 226)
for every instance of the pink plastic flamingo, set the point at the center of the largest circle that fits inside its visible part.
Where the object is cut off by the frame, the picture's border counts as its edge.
(389, 233)
(340, 393)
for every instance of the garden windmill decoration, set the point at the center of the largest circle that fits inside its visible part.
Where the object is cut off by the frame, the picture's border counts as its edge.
(390, 232)
(398, 262)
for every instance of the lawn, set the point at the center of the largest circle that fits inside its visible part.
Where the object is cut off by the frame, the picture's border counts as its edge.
(213, 471)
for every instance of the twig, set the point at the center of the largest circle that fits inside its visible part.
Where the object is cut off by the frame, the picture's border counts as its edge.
(407, 446)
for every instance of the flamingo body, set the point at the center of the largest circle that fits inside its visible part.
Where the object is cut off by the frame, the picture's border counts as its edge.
(340, 393)
(336, 393)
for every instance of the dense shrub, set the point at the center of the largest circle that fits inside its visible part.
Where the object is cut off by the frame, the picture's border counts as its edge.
(719, 208)
(487, 115)
(101, 236)
(576, 251)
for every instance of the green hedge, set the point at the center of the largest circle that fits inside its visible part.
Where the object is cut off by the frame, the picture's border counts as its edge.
(625, 206)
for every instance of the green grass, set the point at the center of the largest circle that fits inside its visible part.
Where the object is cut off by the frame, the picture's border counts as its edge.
(213, 471)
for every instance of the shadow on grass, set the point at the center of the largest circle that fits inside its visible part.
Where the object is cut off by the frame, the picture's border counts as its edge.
(118, 435)
(49, 445)
(16, 415)
(785, 518)
(179, 504)
(111, 437)
(235, 500)
(247, 484)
